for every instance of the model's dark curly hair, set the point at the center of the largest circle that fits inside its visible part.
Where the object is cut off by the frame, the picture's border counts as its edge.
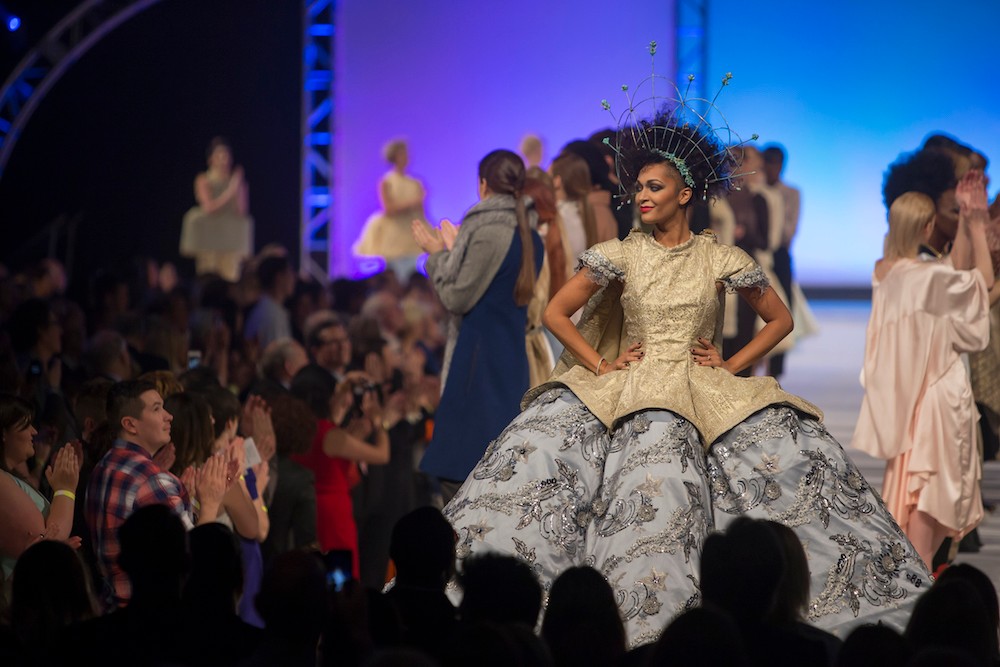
(929, 171)
(709, 161)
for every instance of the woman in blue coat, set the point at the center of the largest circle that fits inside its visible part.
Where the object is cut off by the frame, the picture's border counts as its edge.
(484, 273)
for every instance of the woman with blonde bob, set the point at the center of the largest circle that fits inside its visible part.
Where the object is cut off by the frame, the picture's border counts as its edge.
(918, 412)
(911, 221)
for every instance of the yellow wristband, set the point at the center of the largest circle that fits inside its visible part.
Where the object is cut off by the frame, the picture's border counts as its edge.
(64, 492)
(195, 504)
(263, 507)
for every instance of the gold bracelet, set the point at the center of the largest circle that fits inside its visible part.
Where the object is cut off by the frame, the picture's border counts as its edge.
(64, 492)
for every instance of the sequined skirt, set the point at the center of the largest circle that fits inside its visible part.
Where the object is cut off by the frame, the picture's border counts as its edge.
(557, 489)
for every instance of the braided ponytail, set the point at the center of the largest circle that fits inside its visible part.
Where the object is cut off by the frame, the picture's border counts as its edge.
(524, 289)
(504, 174)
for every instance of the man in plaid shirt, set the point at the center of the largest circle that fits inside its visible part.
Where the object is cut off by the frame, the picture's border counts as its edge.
(126, 478)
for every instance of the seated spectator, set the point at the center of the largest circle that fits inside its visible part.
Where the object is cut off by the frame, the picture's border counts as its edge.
(499, 589)
(90, 411)
(166, 382)
(36, 337)
(293, 506)
(74, 339)
(268, 320)
(346, 417)
(154, 558)
(28, 516)
(490, 644)
(423, 551)
(198, 379)
(126, 478)
(215, 634)
(134, 327)
(384, 309)
(329, 350)
(873, 646)
(741, 571)
(279, 363)
(582, 604)
(191, 430)
(243, 508)
(108, 357)
(309, 297)
(387, 492)
(51, 590)
(109, 300)
(700, 637)
(293, 603)
(952, 615)
(791, 603)
(987, 592)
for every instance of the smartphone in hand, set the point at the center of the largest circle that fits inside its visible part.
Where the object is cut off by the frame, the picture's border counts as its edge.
(339, 568)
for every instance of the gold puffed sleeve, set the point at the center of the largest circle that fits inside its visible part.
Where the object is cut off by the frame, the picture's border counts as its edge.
(735, 269)
(604, 262)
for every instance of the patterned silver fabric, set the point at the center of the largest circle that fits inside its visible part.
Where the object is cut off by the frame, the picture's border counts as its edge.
(557, 489)
(753, 278)
(602, 270)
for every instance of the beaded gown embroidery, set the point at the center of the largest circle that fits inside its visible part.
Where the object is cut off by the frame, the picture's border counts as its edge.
(629, 472)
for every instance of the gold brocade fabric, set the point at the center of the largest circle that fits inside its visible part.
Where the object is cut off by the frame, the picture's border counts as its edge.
(536, 345)
(667, 298)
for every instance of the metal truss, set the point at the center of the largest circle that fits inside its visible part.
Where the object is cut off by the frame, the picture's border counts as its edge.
(45, 64)
(317, 138)
(691, 45)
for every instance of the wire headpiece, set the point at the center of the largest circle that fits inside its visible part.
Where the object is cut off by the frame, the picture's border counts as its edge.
(662, 124)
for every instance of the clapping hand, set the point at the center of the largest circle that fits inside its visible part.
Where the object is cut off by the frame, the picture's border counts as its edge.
(211, 481)
(257, 423)
(236, 458)
(970, 193)
(448, 233)
(189, 478)
(64, 471)
(428, 238)
(165, 456)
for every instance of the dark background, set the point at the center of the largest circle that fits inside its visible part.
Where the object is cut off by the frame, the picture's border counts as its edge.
(118, 140)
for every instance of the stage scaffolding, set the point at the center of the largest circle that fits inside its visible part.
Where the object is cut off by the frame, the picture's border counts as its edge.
(319, 33)
(43, 66)
(691, 45)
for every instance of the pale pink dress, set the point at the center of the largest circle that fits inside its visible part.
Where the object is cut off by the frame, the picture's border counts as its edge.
(918, 411)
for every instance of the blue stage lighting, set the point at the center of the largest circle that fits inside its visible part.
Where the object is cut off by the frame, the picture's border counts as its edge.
(13, 23)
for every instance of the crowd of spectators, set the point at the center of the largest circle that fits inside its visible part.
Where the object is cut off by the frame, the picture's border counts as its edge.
(222, 473)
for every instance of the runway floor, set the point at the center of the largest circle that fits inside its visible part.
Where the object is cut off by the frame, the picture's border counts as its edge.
(824, 368)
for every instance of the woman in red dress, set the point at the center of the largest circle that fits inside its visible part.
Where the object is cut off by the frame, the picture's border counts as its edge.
(350, 431)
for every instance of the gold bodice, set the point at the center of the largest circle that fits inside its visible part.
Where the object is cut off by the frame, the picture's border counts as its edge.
(667, 298)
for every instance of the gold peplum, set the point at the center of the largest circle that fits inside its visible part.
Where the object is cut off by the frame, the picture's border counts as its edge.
(667, 298)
